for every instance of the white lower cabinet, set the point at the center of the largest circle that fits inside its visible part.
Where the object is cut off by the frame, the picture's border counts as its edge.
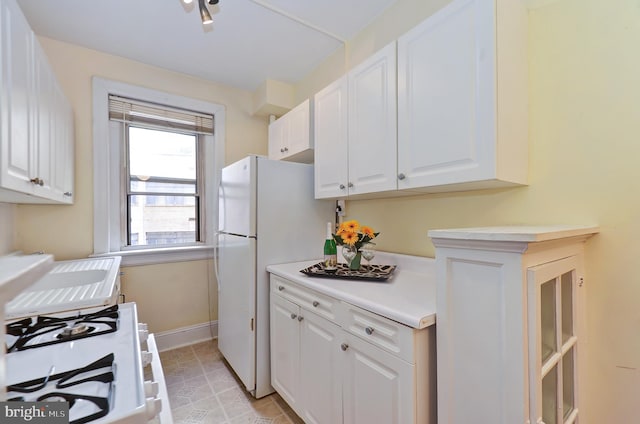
(333, 362)
(378, 387)
(511, 321)
(304, 362)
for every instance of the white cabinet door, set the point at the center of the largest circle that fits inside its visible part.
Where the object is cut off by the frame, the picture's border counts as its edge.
(331, 140)
(320, 370)
(285, 350)
(45, 122)
(299, 136)
(378, 387)
(17, 126)
(553, 306)
(461, 120)
(65, 142)
(276, 138)
(372, 123)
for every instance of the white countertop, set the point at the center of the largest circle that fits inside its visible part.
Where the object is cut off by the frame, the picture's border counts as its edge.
(408, 296)
(514, 233)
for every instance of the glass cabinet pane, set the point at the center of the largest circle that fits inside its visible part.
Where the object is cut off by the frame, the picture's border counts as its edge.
(567, 306)
(548, 319)
(568, 383)
(550, 397)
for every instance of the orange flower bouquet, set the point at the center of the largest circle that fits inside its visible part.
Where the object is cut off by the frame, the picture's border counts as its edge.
(352, 236)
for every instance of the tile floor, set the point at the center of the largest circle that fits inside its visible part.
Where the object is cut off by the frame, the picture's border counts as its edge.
(203, 390)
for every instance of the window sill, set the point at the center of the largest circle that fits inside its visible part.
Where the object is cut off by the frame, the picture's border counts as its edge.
(161, 255)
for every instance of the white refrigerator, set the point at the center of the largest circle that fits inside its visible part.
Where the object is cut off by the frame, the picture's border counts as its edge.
(267, 215)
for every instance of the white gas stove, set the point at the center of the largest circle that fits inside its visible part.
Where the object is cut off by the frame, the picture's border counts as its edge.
(91, 358)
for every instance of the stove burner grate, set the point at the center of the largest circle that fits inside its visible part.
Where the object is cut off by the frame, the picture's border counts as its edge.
(99, 406)
(28, 334)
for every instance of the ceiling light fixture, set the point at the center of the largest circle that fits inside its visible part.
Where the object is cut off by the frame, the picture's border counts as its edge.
(204, 13)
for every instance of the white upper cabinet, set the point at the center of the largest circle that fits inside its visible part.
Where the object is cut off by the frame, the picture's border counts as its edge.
(331, 137)
(372, 123)
(355, 130)
(36, 139)
(16, 123)
(462, 98)
(453, 118)
(290, 135)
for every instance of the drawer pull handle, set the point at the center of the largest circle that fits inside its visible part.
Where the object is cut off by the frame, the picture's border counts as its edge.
(293, 316)
(315, 303)
(368, 330)
(344, 346)
(300, 319)
(280, 288)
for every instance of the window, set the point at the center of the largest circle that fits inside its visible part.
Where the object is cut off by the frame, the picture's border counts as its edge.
(162, 194)
(156, 162)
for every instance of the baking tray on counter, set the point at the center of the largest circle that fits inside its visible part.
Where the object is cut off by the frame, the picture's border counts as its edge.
(366, 272)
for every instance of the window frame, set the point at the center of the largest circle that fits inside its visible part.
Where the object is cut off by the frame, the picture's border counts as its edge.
(107, 176)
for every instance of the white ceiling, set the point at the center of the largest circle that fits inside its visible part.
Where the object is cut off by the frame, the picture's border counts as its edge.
(249, 41)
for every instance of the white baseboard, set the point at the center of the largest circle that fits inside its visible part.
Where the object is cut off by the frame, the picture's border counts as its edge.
(185, 336)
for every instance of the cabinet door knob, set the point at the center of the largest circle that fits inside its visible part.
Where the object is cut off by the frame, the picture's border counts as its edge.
(344, 346)
(401, 176)
(368, 330)
(37, 181)
(281, 150)
(350, 184)
(67, 193)
(293, 316)
(280, 288)
(342, 187)
(286, 149)
(315, 303)
(300, 318)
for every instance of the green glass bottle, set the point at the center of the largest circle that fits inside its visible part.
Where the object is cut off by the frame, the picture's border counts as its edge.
(330, 251)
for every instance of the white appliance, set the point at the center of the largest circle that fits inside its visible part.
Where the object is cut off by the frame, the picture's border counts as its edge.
(267, 215)
(93, 359)
(67, 320)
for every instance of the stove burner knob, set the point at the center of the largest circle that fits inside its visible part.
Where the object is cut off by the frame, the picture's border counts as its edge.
(150, 388)
(144, 335)
(153, 407)
(146, 357)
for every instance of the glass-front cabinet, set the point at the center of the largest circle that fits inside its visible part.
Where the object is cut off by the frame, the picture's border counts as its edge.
(553, 341)
(510, 304)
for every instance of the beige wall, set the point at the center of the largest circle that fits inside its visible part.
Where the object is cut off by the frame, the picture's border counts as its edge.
(170, 296)
(7, 228)
(584, 125)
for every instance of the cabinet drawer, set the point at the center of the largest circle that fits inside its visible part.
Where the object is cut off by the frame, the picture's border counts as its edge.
(391, 336)
(309, 299)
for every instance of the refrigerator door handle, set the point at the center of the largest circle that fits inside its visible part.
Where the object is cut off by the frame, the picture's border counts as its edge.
(215, 260)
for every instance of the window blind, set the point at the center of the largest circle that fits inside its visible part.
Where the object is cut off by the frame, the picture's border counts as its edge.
(149, 114)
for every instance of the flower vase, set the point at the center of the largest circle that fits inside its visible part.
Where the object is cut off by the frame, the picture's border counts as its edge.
(354, 265)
